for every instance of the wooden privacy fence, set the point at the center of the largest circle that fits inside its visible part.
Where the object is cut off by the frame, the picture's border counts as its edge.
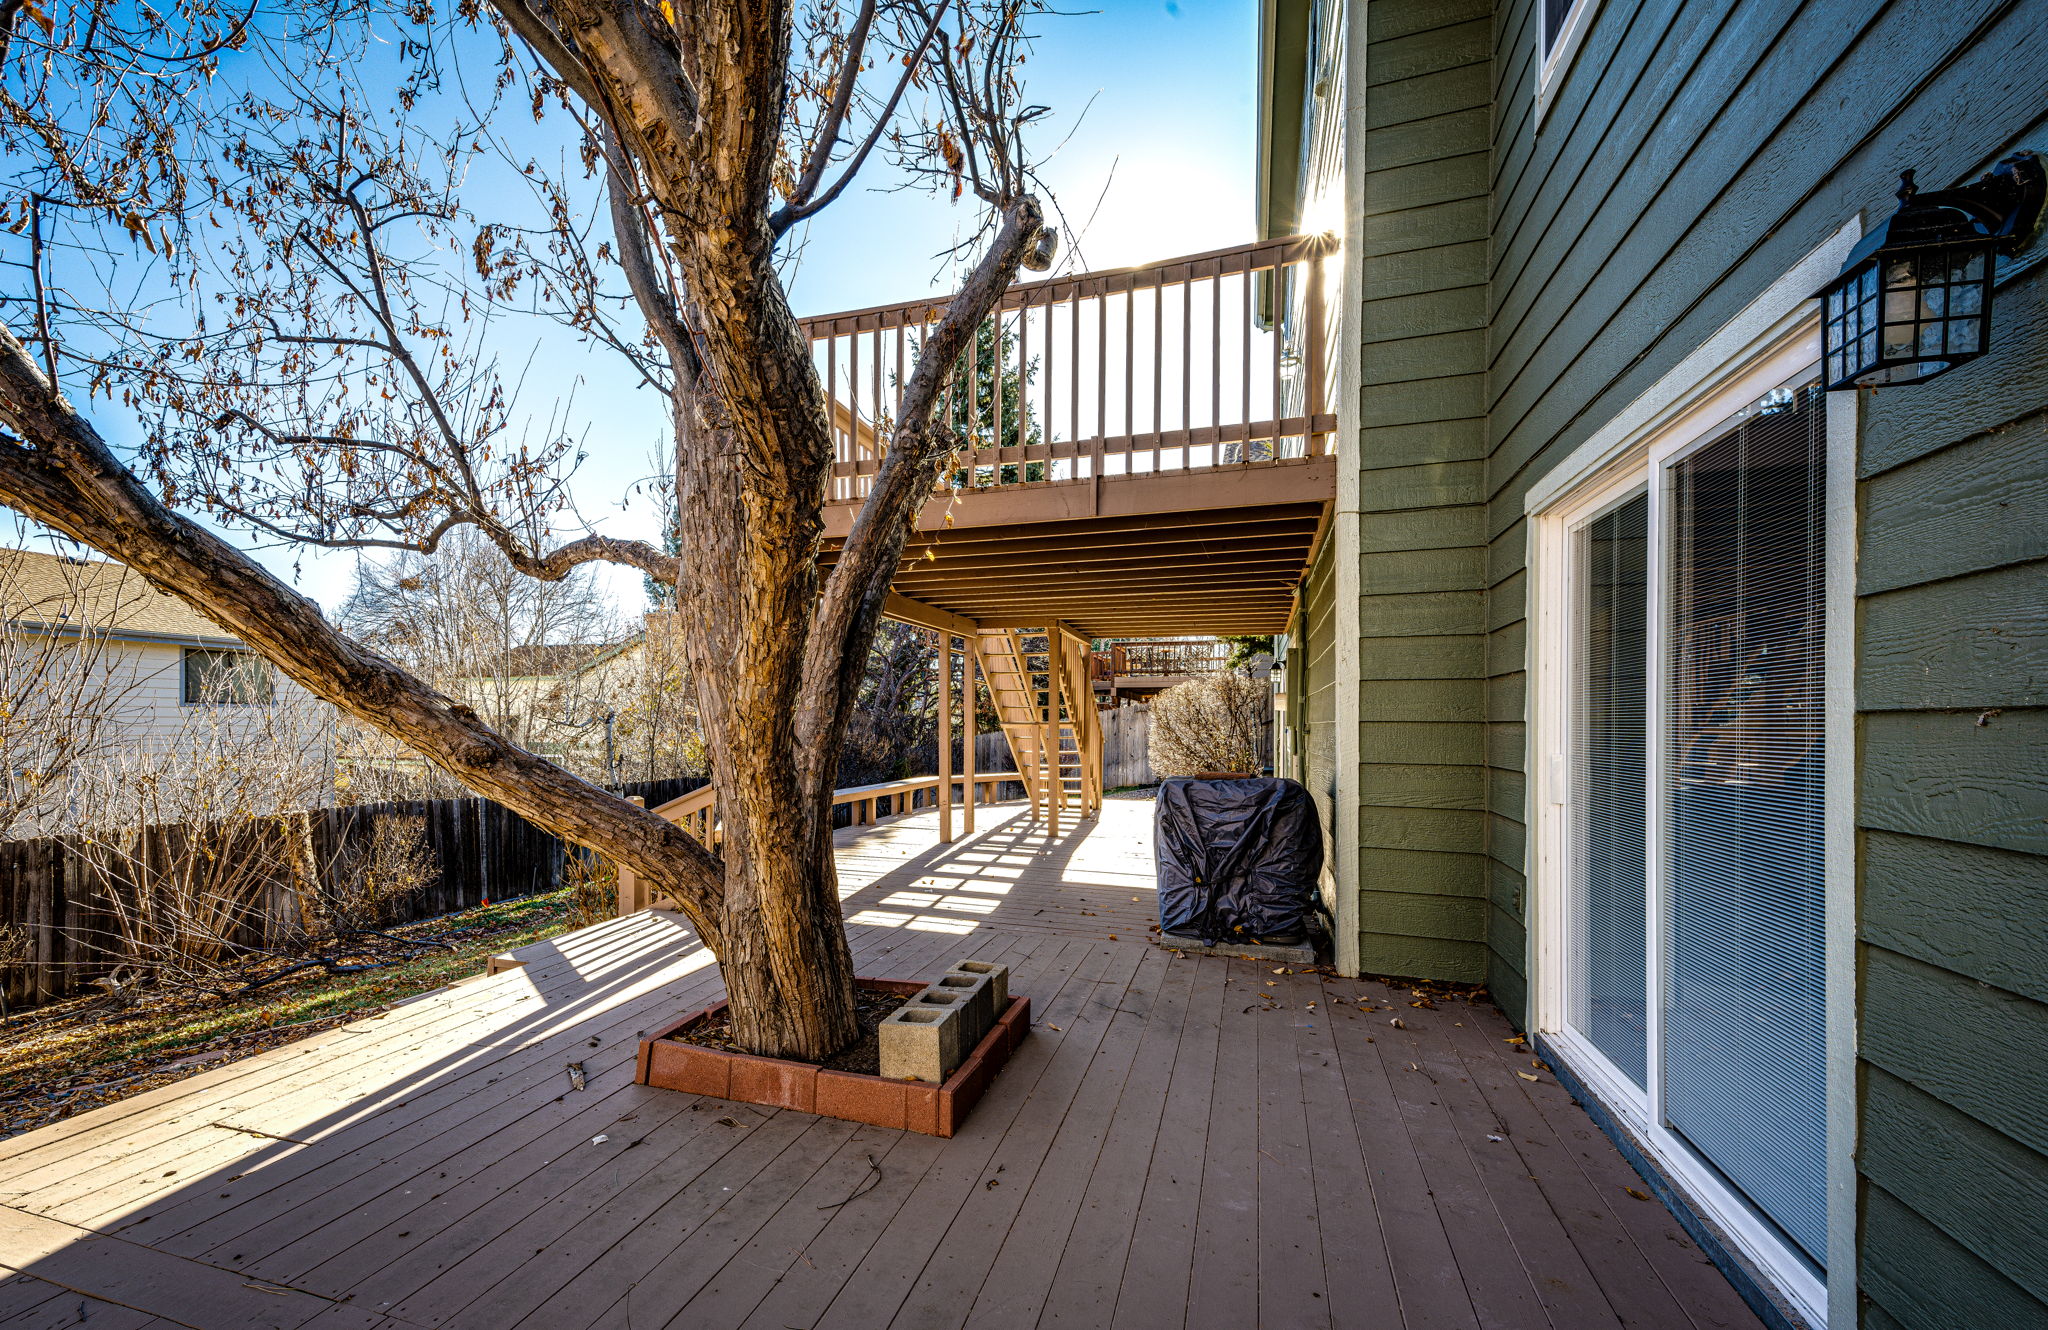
(1127, 746)
(59, 930)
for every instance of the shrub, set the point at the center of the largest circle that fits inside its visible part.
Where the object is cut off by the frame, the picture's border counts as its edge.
(1212, 723)
(593, 888)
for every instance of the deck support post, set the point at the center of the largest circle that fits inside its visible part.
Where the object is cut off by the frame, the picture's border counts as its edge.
(968, 703)
(1049, 750)
(627, 888)
(945, 790)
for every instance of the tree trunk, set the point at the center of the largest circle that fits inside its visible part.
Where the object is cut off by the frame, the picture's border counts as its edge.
(788, 971)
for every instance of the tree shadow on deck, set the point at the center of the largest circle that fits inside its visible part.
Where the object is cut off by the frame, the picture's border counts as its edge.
(339, 1176)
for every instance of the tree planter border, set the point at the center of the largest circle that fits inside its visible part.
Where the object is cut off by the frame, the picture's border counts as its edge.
(935, 1110)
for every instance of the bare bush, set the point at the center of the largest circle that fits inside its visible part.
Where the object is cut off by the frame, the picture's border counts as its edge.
(191, 834)
(368, 882)
(1209, 724)
(593, 885)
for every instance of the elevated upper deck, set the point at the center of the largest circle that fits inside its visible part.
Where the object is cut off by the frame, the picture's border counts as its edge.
(1140, 451)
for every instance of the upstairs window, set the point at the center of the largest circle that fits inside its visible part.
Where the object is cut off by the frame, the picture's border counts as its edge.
(227, 678)
(1556, 17)
(1563, 25)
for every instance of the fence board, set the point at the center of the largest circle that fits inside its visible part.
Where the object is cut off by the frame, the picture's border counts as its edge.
(52, 899)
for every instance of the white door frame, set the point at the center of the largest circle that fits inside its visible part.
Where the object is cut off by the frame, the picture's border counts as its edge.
(1773, 343)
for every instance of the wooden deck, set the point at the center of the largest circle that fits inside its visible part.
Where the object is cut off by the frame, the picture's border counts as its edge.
(1182, 1142)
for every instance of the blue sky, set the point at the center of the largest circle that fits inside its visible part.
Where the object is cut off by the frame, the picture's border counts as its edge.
(1155, 102)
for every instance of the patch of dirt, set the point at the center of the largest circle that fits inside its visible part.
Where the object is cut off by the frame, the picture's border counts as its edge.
(864, 1055)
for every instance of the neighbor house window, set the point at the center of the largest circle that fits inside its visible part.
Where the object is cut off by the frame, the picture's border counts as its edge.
(231, 678)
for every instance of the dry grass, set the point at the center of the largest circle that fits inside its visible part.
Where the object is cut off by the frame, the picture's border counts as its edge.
(70, 1056)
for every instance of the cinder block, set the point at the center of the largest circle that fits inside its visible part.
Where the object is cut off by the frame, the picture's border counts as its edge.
(998, 979)
(971, 991)
(921, 1040)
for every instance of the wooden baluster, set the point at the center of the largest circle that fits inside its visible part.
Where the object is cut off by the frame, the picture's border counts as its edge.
(1158, 372)
(1023, 391)
(831, 395)
(1074, 377)
(1101, 380)
(1312, 397)
(1245, 452)
(1216, 360)
(1130, 373)
(1187, 369)
(973, 405)
(1278, 347)
(996, 400)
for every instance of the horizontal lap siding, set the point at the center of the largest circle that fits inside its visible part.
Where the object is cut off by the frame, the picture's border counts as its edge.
(1692, 155)
(1318, 700)
(1423, 821)
(1952, 687)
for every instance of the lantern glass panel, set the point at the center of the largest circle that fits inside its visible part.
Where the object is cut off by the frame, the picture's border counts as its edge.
(1907, 316)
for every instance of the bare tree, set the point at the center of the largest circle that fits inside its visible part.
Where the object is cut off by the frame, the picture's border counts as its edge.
(896, 714)
(466, 621)
(333, 401)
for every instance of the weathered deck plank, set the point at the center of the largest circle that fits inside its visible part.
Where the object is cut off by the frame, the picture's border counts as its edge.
(1183, 1142)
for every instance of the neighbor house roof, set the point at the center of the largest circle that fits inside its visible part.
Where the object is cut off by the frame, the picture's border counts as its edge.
(66, 594)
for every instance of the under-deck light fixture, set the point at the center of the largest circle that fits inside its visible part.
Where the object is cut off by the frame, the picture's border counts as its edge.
(1914, 298)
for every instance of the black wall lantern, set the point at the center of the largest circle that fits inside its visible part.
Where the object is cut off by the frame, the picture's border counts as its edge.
(1914, 298)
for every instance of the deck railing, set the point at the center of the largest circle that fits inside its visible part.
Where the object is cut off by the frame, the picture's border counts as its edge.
(697, 813)
(1209, 360)
(1157, 657)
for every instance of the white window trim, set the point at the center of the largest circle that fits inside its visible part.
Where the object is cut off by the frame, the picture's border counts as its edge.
(1552, 66)
(1774, 342)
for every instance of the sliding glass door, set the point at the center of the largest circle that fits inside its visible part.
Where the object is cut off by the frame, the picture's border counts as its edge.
(1693, 842)
(1745, 1075)
(1610, 703)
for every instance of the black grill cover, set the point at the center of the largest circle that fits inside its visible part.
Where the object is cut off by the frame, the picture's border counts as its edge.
(1237, 859)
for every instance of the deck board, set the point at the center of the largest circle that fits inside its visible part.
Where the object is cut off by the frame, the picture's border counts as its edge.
(1182, 1142)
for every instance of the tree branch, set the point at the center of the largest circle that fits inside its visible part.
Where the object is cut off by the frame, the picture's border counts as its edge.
(801, 204)
(70, 480)
(854, 594)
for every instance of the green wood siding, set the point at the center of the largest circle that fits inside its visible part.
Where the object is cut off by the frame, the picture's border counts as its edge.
(1317, 702)
(1421, 787)
(1952, 687)
(1692, 153)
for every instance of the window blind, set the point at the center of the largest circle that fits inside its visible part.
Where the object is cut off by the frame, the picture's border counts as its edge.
(1744, 1014)
(1611, 704)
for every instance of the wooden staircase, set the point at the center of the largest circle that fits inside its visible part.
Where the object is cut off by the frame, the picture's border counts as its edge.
(1038, 682)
